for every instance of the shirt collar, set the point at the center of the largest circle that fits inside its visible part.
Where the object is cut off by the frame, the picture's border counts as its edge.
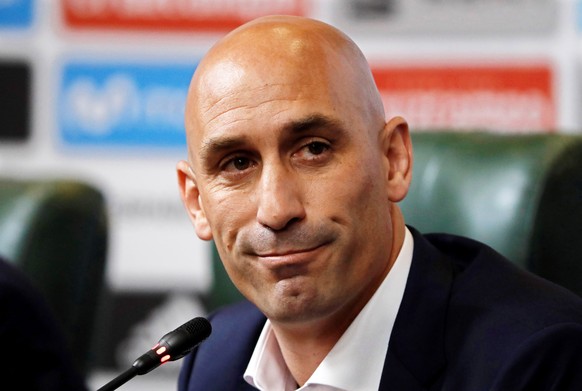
(357, 359)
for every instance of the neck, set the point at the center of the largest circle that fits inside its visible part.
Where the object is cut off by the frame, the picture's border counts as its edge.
(304, 345)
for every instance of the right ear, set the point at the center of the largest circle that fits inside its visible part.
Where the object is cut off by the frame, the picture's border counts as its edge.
(190, 195)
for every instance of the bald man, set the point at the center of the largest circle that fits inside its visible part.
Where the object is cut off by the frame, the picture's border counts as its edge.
(295, 173)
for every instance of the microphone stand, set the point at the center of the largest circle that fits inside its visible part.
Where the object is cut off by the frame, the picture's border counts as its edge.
(172, 346)
(120, 380)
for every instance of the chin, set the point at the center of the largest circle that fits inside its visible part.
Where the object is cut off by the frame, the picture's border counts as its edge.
(296, 309)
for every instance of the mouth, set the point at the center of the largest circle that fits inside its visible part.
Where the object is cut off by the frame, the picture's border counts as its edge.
(289, 258)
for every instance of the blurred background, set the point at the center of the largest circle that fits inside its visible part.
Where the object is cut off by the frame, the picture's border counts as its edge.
(94, 90)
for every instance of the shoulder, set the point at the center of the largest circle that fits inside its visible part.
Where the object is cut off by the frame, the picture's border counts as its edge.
(507, 322)
(22, 299)
(12, 281)
(221, 360)
(482, 276)
(235, 321)
(29, 328)
(485, 280)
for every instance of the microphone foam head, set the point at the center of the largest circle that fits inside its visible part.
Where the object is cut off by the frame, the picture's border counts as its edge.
(199, 327)
(186, 337)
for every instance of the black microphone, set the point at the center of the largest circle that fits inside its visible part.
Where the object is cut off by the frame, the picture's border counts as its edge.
(172, 346)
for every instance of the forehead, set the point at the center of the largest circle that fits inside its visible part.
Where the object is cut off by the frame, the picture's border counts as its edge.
(278, 116)
(234, 98)
(271, 101)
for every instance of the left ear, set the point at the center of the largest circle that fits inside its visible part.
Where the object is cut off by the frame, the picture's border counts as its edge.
(397, 149)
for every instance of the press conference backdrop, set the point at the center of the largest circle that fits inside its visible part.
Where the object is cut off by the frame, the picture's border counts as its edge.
(95, 89)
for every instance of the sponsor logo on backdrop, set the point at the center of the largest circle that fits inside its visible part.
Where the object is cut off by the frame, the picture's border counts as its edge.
(197, 15)
(14, 101)
(15, 13)
(436, 16)
(516, 98)
(121, 104)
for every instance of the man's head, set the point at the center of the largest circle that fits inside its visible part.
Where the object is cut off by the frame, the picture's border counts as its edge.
(293, 169)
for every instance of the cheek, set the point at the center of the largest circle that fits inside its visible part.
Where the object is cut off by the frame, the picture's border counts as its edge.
(227, 218)
(358, 187)
(363, 205)
(227, 213)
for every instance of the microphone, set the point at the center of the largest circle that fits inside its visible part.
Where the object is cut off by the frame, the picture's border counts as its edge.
(172, 346)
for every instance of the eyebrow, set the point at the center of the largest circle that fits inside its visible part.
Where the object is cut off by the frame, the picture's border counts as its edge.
(218, 144)
(313, 121)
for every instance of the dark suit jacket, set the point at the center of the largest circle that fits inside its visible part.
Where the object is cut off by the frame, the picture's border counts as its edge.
(34, 352)
(469, 321)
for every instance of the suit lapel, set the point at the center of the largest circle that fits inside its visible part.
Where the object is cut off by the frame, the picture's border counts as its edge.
(416, 355)
(219, 362)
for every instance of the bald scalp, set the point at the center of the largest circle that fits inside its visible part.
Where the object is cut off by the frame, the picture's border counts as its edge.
(275, 49)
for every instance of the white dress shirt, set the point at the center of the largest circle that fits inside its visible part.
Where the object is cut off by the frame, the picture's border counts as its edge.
(356, 361)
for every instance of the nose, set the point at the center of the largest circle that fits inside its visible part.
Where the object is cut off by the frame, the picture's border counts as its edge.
(279, 198)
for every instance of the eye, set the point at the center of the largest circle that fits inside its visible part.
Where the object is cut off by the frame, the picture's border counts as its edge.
(314, 150)
(236, 164)
(317, 148)
(235, 167)
(241, 163)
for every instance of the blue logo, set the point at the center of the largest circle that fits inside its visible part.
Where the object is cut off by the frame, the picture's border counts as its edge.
(123, 104)
(15, 13)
